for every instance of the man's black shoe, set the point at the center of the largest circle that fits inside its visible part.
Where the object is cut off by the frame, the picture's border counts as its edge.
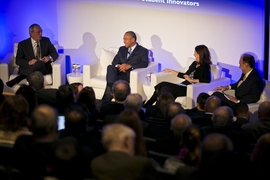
(11, 83)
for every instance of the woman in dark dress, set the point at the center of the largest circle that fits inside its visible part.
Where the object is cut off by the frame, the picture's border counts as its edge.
(198, 71)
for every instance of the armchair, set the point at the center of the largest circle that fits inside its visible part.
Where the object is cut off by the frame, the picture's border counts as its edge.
(94, 74)
(193, 90)
(9, 70)
(253, 107)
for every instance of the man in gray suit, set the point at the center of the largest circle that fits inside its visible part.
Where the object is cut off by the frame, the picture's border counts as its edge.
(34, 54)
(119, 162)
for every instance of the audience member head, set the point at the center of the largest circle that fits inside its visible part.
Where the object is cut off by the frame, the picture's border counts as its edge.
(134, 102)
(201, 100)
(211, 104)
(213, 145)
(65, 97)
(36, 80)
(173, 109)
(260, 156)
(191, 140)
(164, 89)
(44, 122)
(264, 110)
(87, 96)
(76, 87)
(222, 116)
(242, 110)
(30, 95)
(118, 137)
(163, 100)
(14, 113)
(75, 121)
(131, 119)
(204, 54)
(179, 124)
(120, 90)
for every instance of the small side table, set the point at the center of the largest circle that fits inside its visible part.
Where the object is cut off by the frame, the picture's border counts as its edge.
(72, 78)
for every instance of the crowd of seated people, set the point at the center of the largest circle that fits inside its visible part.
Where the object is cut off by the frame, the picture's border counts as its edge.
(84, 149)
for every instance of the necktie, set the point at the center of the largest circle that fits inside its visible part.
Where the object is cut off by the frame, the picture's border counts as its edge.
(129, 52)
(37, 51)
(241, 81)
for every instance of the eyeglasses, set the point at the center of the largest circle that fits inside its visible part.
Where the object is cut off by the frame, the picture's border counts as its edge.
(37, 32)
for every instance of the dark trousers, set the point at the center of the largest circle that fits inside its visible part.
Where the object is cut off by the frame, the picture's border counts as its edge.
(113, 74)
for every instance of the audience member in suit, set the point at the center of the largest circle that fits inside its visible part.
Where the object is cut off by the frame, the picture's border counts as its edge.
(216, 155)
(87, 96)
(189, 150)
(44, 96)
(129, 57)
(212, 103)
(120, 91)
(34, 54)
(198, 111)
(13, 119)
(262, 125)
(134, 102)
(30, 95)
(248, 88)
(222, 123)
(198, 71)
(163, 100)
(2, 97)
(260, 158)
(131, 119)
(152, 110)
(34, 155)
(242, 115)
(167, 142)
(65, 98)
(172, 110)
(76, 126)
(120, 162)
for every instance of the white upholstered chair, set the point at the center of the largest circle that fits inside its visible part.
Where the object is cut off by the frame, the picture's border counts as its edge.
(9, 70)
(94, 74)
(193, 90)
(253, 107)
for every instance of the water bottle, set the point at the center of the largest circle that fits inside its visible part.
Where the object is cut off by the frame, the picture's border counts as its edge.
(78, 68)
(148, 79)
(74, 69)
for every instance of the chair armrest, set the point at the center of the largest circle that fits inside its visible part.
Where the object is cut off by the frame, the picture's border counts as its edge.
(193, 90)
(162, 76)
(137, 78)
(6, 67)
(59, 71)
(89, 71)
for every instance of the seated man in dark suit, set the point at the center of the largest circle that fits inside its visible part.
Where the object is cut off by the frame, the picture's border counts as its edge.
(248, 88)
(34, 54)
(119, 162)
(44, 96)
(120, 91)
(129, 57)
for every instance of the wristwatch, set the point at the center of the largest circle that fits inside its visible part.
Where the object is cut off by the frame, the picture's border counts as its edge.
(50, 58)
